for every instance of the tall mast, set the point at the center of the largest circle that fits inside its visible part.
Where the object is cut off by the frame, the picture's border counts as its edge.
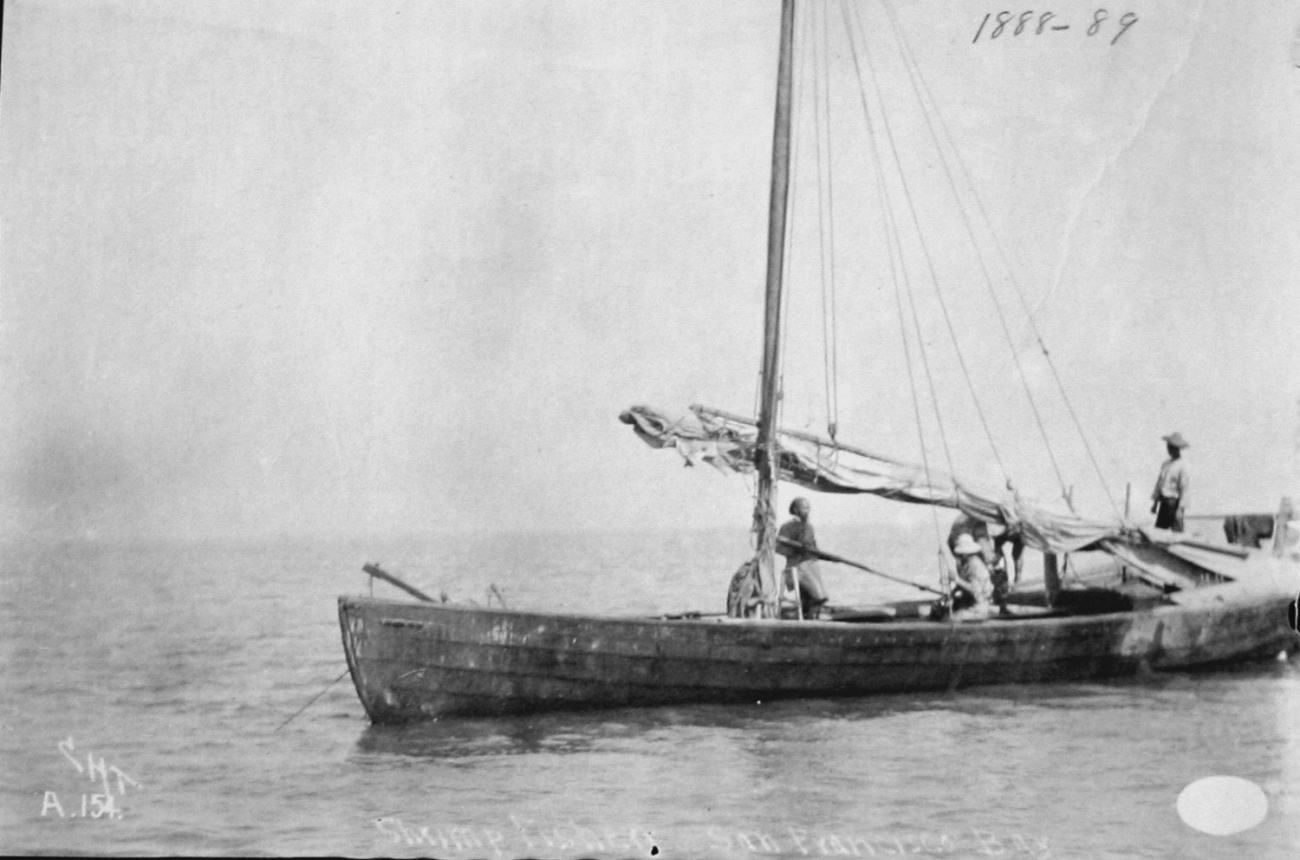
(764, 507)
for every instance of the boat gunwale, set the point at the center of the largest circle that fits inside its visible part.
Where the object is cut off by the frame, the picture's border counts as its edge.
(1253, 598)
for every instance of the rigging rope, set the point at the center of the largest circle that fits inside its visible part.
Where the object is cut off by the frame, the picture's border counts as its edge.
(787, 261)
(890, 229)
(915, 74)
(789, 231)
(925, 248)
(909, 63)
(826, 233)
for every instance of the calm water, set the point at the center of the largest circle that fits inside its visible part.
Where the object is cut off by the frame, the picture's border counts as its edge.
(175, 664)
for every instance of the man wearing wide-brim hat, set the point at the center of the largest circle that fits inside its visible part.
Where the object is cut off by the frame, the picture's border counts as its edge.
(1169, 499)
(973, 576)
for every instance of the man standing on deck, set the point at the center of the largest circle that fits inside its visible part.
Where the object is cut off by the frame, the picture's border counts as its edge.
(793, 541)
(1169, 498)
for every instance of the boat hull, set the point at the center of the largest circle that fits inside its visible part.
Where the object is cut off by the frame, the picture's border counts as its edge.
(413, 661)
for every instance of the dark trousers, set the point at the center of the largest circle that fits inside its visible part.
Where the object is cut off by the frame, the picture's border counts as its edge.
(1167, 515)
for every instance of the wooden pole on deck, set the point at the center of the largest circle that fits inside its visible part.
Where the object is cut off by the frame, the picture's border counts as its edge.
(376, 571)
(1051, 577)
(1282, 526)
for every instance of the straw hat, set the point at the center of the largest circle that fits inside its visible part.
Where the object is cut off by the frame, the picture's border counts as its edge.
(965, 545)
(1176, 439)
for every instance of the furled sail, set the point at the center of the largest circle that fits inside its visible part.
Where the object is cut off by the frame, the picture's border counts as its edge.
(728, 442)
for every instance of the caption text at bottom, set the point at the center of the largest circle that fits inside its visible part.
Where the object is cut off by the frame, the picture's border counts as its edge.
(525, 835)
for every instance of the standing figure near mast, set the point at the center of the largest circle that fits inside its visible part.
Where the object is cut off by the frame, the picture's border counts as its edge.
(1169, 498)
(798, 543)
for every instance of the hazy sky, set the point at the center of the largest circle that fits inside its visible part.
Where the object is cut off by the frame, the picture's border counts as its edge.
(380, 267)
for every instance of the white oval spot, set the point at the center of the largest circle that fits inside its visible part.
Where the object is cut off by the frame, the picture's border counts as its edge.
(1222, 805)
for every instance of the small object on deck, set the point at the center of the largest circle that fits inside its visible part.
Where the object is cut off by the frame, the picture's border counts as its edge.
(869, 613)
(1248, 529)
(690, 616)
(745, 594)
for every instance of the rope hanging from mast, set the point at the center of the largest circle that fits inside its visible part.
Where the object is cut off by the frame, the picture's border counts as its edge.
(826, 229)
(796, 101)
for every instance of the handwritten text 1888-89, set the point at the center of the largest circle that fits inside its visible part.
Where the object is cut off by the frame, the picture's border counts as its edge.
(1013, 24)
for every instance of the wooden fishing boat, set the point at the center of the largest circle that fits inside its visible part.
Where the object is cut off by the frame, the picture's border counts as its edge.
(1164, 601)
(413, 661)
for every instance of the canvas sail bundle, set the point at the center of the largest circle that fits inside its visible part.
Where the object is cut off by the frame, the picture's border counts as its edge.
(728, 444)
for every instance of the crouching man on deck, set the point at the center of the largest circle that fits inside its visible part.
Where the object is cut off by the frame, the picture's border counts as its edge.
(793, 541)
(993, 541)
(973, 580)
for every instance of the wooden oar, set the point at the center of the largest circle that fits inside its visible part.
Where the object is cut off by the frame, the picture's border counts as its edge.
(841, 560)
(375, 571)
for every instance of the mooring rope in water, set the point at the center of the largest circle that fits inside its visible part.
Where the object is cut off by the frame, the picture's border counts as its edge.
(313, 700)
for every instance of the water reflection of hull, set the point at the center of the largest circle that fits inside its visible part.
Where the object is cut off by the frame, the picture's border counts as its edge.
(413, 661)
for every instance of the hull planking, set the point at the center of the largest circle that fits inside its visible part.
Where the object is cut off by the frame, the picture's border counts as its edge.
(414, 661)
